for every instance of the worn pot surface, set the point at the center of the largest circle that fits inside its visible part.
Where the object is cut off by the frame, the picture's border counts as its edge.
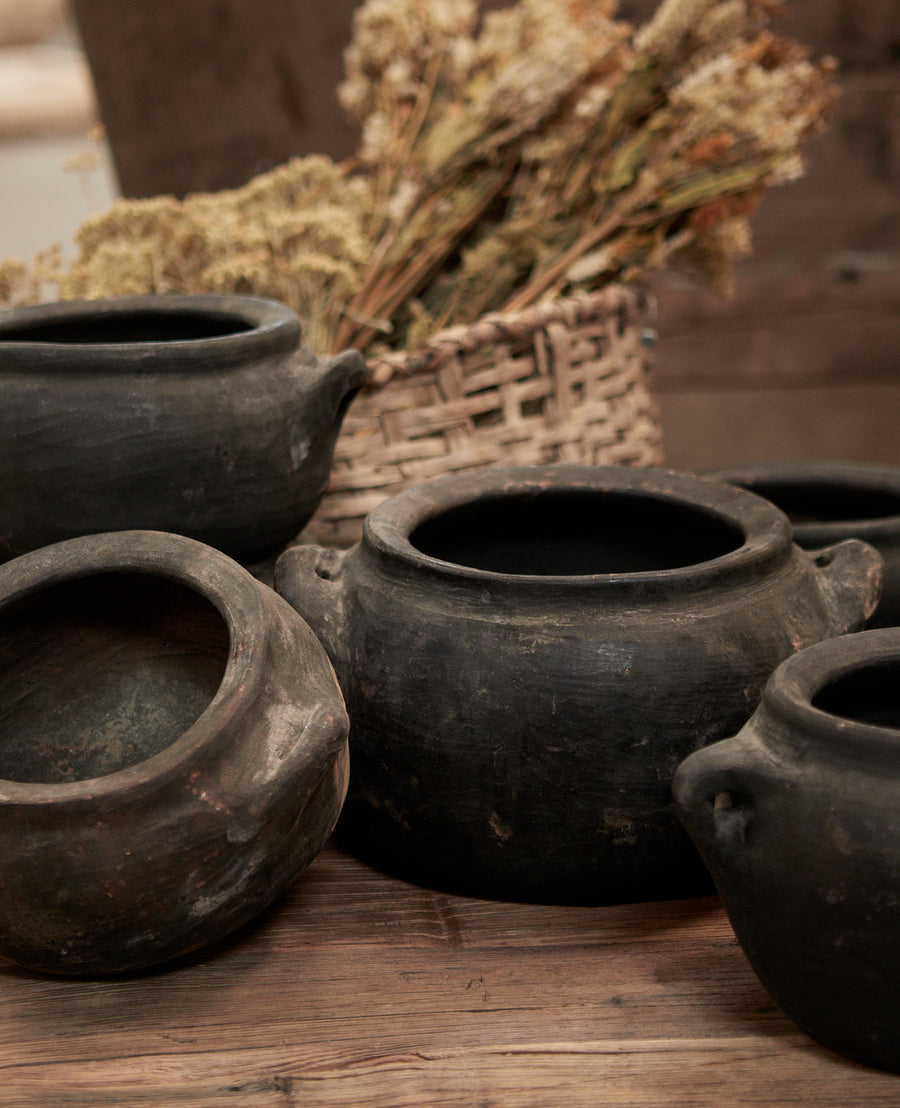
(201, 415)
(527, 654)
(798, 819)
(830, 501)
(173, 751)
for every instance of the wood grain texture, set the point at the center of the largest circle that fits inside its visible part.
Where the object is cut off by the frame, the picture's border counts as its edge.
(709, 427)
(356, 989)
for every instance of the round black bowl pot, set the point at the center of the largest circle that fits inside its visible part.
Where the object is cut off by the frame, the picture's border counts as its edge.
(173, 751)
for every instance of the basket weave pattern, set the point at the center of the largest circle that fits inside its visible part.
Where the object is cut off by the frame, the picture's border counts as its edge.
(563, 382)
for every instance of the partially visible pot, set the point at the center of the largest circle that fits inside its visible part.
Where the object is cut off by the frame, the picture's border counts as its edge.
(798, 819)
(527, 654)
(174, 751)
(830, 501)
(200, 415)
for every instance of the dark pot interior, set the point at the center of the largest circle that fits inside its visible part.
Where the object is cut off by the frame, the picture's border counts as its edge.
(148, 325)
(867, 695)
(562, 533)
(827, 502)
(101, 672)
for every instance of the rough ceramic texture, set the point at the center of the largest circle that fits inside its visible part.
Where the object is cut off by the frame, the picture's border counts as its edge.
(798, 819)
(830, 501)
(527, 654)
(201, 415)
(173, 751)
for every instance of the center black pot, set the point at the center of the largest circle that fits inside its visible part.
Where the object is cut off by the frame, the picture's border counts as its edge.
(527, 655)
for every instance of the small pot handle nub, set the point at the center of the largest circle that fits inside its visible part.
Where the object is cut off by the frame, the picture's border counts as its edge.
(851, 574)
(714, 800)
(309, 578)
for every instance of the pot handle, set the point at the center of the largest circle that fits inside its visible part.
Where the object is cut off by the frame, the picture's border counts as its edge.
(851, 574)
(309, 578)
(714, 799)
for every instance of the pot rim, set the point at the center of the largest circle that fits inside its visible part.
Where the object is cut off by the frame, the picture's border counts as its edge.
(766, 529)
(848, 476)
(801, 677)
(201, 568)
(270, 328)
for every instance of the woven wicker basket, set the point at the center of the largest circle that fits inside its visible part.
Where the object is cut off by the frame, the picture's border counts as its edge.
(566, 381)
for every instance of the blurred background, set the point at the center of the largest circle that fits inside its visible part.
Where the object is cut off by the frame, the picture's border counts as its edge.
(803, 362)
(55, 168)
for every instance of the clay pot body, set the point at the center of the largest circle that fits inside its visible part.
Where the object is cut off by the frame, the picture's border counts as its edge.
(830, 501)
(798, 819)
(173, 754)
(200, 415)
(527, 654)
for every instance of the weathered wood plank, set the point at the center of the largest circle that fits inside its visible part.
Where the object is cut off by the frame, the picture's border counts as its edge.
(356, 989)
(707, 428)
(551, 1074)
(203, 96)
(804, 330)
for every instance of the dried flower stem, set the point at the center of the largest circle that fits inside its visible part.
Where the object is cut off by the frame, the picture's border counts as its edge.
(387, 289)
(547, 149)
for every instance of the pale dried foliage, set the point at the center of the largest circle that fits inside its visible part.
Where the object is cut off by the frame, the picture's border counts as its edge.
(545, 148)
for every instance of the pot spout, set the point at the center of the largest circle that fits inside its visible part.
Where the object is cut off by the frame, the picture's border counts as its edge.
(336, 383)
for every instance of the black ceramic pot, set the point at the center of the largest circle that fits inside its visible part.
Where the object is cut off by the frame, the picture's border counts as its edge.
(527, 654)
(830, 501)
(798, 819)
(201, 415)
(173, 751)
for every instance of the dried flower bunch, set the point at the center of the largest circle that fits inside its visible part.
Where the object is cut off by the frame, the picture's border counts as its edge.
(295, 234)
(544, 148)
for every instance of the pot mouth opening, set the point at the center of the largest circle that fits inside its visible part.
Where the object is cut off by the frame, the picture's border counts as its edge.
(163, 332)
(827, 501)
(842, 692)
(865, 695)
(583, 532)
(102, 672)
(128, 327)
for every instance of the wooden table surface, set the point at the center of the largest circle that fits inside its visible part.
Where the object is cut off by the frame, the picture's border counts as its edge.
(356, 989)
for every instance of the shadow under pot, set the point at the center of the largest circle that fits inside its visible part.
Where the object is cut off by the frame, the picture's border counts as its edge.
(527, 654)
(830, 501)
(200, 415)
(173, 751)
(797, 819)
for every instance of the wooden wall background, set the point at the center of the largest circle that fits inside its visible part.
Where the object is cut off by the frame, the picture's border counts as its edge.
(804, 362)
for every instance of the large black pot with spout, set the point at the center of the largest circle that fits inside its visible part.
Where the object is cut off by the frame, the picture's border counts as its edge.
(527, 654)
(200, 415)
